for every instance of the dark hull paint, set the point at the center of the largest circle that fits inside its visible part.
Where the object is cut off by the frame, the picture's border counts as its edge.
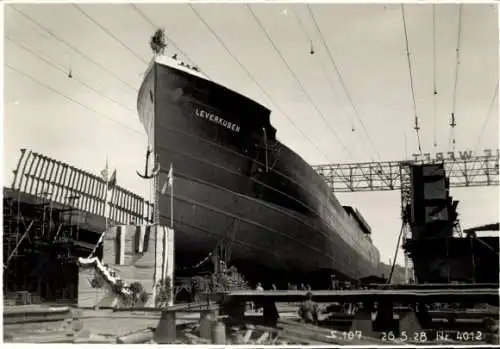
(235, 182)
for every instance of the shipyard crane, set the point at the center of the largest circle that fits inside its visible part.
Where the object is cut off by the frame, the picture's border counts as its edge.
(462, 168)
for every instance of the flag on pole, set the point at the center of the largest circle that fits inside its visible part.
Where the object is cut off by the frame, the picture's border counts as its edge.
(112, 181)
(110, 184)
(169, 183)
(105, 172)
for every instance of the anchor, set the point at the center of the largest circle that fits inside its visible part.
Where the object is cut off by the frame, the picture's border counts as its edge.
(154, 172)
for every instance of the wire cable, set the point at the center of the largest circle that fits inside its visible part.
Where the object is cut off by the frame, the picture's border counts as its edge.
(342, 81)
(74, 49)
(298, 80)
(416, 127)
(72, 99)
(396, 253)
(304, 30)
(109, 33)
(487, 118)
(457, 65)
(55, 66)
(327, 76)
(434, 85)
(256, 82)
(146, 18)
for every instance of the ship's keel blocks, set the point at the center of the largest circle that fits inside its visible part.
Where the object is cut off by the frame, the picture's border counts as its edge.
(207, 319)
(218, 333)
(386, 320)
(166, 330)
(491, 331)
(235, 310)
(363, 322)
(409, 323)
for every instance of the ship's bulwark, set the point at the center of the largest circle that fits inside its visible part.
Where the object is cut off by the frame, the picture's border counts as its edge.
(235, 183)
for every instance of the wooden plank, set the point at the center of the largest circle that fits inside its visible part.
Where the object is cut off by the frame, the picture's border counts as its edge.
(136, 337)
(61, 189)
(29, 176)
(50, 186)
(33, 309)
(193, 339)
(183, 307)
(483, 294)
(22, 174)
(44, 338)
(41, 176)
(17, 173)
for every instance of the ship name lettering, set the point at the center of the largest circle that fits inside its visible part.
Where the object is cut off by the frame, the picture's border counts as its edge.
(217, 120)
(456, 155)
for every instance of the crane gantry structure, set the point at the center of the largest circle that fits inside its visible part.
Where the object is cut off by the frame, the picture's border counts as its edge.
(463, 171)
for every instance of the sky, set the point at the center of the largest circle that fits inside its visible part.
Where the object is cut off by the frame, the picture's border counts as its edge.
(356, 106)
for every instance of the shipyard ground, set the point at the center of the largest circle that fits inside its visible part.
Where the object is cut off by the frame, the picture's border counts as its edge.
(70, 325)
(42, 262)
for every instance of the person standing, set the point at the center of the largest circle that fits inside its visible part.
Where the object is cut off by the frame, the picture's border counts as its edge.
(308, 310)
(258, 305)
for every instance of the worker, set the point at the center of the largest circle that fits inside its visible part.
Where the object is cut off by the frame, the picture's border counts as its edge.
(258, 305)
(308, 310)
(273, 287)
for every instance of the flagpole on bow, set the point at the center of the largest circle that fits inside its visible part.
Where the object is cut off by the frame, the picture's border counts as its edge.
(169, 238)
(110, 183)
(171, 179)
(172, 234)
(107, 181)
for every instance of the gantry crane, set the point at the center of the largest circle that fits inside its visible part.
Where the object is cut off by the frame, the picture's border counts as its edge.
(464, 171)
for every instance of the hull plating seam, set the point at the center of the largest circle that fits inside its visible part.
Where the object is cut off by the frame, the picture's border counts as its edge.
(217, 236)
(210, 208)
(261, 202)
(233, 152)
(210, 163)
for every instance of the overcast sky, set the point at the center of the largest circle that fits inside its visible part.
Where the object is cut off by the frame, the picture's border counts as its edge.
(106, 47)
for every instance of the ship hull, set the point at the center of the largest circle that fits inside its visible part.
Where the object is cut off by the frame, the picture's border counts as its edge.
(236, 186)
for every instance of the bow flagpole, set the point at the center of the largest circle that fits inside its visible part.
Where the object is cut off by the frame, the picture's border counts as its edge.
(169, 242)
(171, 183)
(110, 183)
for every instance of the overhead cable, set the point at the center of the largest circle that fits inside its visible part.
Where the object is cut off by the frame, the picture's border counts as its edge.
(325, 73)
(434, 85)
(255, 80)
(74, 49)
(416, 126)
(487, 117)
(297, 79)
(90, 18)
(55, 66)
(342, 81)
(94, 111)
(453, 122)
